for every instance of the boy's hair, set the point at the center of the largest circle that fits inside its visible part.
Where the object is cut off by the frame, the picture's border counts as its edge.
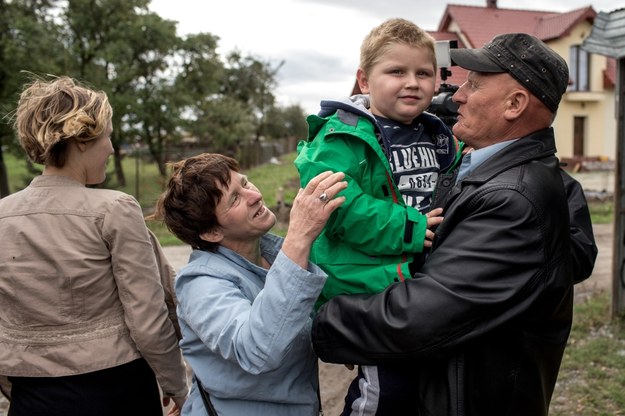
(389, 33)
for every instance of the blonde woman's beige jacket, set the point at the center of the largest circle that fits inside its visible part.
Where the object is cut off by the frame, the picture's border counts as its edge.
(83, 285)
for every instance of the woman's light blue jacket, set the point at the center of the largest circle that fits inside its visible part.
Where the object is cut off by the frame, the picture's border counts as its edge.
(246, 332)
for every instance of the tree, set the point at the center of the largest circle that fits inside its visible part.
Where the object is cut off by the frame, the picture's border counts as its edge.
(153, 119)
(28, 46)
(125, 54)
(216, 121)
(251, 81)
(286, 122)
(223, 125)
(162, 87)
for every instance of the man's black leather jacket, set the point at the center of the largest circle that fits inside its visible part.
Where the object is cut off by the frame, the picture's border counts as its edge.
(583, 246)
(485, 322)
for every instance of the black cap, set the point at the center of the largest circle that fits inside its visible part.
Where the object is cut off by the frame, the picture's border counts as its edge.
(532, 63)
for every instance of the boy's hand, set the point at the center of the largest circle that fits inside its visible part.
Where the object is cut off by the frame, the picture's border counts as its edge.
(434, 218)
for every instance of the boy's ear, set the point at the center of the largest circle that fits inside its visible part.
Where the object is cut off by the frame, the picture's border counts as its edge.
(363, 82)
(213, 236)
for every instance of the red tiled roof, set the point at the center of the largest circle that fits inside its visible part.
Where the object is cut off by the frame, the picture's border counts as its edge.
(481, 24)
(557, 25)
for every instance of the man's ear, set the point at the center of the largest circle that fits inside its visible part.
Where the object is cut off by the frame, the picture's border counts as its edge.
(516, 104)
(213, 236)
(363, 82)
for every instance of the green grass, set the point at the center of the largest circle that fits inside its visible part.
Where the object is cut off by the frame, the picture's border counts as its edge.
(269, 178)
(601, 212)
(17, 170)
(592, 374)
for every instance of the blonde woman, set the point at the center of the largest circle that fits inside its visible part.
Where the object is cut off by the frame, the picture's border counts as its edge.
(84, 326)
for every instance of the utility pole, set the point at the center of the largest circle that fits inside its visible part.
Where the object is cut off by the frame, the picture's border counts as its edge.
(618, 262)
(608, 38)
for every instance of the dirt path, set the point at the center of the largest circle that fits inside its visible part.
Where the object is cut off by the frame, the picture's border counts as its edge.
(601, 278)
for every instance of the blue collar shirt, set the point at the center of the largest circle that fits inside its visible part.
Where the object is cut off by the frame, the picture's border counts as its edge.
(475, 158)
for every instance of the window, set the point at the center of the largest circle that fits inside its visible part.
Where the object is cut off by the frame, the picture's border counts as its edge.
(579, 68)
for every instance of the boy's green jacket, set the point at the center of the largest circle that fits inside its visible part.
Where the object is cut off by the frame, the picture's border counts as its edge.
(368, 243)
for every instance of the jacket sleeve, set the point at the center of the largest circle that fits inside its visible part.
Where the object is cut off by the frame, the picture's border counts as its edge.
(258, 333)
(473, 282)
(142, 294)
(167, 275)
(375, 225)
(583, 247)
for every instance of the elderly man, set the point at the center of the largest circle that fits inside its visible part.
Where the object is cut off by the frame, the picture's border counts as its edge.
(483, 325)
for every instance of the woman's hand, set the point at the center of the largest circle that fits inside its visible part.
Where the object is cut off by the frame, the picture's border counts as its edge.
(310, 212)
(176, 406)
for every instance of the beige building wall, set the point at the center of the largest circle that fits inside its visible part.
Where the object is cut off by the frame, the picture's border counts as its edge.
(596, 106)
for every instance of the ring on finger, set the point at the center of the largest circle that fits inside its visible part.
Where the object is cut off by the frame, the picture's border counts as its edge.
(324, 198)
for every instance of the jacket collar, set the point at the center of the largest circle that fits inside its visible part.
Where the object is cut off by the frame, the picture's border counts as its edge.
(537, 145)
(54, 180)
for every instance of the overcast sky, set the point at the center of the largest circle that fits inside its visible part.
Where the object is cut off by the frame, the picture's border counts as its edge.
(319, 40)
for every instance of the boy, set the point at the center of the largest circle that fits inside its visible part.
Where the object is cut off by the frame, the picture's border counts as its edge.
(391, 152)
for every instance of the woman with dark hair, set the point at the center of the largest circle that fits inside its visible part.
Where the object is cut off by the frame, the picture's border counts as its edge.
(246, 296)
(84, 325)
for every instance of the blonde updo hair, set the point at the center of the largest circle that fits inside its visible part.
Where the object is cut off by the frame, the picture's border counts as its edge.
(50, 113)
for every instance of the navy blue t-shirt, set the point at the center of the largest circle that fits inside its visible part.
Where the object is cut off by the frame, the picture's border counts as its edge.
(417, 153)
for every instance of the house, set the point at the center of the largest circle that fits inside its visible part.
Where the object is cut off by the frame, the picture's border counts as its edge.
(586, 122)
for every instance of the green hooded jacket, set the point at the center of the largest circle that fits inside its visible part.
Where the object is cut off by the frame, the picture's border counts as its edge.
(368, 242)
